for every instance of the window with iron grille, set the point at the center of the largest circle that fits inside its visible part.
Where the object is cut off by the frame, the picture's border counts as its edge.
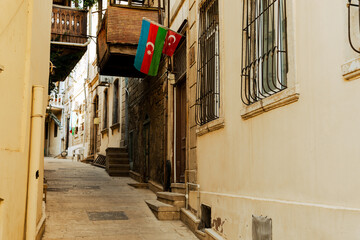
(353, 12)
(208, 79)
(264, 49)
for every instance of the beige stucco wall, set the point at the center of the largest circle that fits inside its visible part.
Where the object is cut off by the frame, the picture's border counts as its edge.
(297, 164)
(55, 142)
(24, 53)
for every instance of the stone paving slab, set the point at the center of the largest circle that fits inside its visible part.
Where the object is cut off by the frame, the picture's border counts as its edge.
(91, 190)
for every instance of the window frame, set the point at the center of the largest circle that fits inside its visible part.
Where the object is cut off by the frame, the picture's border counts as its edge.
(292, 93)
(208, 89)
(264, 63)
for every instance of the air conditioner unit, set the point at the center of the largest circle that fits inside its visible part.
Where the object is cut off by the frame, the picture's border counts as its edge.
(105, 80)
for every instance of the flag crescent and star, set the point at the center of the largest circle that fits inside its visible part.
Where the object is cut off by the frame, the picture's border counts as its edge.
(154, 40)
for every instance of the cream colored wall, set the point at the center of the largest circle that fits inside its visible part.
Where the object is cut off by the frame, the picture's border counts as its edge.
(24, 53)
(297, 164)
(55, 142)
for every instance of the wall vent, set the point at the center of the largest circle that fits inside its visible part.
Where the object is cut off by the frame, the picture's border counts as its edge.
(205, 221)
(261, 228)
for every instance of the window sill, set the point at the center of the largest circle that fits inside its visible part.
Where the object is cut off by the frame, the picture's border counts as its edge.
(351, 69)
(285, 97)
(104, 131)
(210, 126)
(115, 126)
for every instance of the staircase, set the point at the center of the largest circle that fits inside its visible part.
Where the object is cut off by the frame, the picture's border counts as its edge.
(167, 206)
(178, 188)
(117, 162)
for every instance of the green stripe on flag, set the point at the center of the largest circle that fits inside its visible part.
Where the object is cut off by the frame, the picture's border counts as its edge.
(159, 45)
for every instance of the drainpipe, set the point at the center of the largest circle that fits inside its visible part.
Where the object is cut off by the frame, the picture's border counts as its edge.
(37, 118)
(85, 82)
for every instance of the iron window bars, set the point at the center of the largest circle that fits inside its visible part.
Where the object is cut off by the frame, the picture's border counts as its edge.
(208, 80)
(264, 49)
(352, 5)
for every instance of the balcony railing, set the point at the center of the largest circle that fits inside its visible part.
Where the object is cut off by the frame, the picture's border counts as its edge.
(56, 100)
(68, 25)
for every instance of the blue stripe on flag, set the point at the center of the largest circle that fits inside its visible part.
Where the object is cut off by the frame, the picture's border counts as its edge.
(140, 52)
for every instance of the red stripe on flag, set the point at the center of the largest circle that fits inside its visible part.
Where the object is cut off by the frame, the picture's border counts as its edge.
(171, 42)
(150, 47)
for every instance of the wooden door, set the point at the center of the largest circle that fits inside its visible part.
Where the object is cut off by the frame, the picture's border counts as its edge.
(181, 116)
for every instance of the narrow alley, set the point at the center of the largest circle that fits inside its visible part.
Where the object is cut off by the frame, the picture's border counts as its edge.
(84, 202)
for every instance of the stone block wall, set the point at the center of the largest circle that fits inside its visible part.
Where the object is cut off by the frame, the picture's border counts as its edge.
(146, 102)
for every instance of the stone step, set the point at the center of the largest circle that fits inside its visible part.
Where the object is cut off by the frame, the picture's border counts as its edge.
(119, 166)
(121, 155)
(178, 188)
(163, 211)
(189, 219)
(175, 199)
(115, 151)
(211, 234)
(118, 160)
(201, 235)
(118, 173)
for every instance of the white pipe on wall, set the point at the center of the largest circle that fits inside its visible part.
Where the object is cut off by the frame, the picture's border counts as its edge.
(37, 119)
(175, 180)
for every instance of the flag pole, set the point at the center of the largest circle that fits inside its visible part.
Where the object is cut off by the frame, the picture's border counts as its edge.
(158, 24)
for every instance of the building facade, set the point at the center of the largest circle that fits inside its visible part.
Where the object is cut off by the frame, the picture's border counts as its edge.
(24, 73)
(270, 139)
(255, 128)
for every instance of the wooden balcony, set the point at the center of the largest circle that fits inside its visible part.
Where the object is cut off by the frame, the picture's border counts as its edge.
(118, 37)
(68, 39)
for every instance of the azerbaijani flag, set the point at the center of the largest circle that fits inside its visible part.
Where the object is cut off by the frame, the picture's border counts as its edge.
(171, 42)
(150, 47)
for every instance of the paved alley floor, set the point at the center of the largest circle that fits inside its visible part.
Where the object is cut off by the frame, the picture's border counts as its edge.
(83, 202)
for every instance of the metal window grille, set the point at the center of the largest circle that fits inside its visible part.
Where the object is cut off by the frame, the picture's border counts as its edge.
(264, 49)
(208, 79)
(354, 7)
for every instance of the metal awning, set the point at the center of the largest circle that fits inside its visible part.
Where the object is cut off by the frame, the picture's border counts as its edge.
(56, 120)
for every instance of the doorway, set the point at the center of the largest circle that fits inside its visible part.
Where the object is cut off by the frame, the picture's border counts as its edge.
(180, 130)
(96, 135)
